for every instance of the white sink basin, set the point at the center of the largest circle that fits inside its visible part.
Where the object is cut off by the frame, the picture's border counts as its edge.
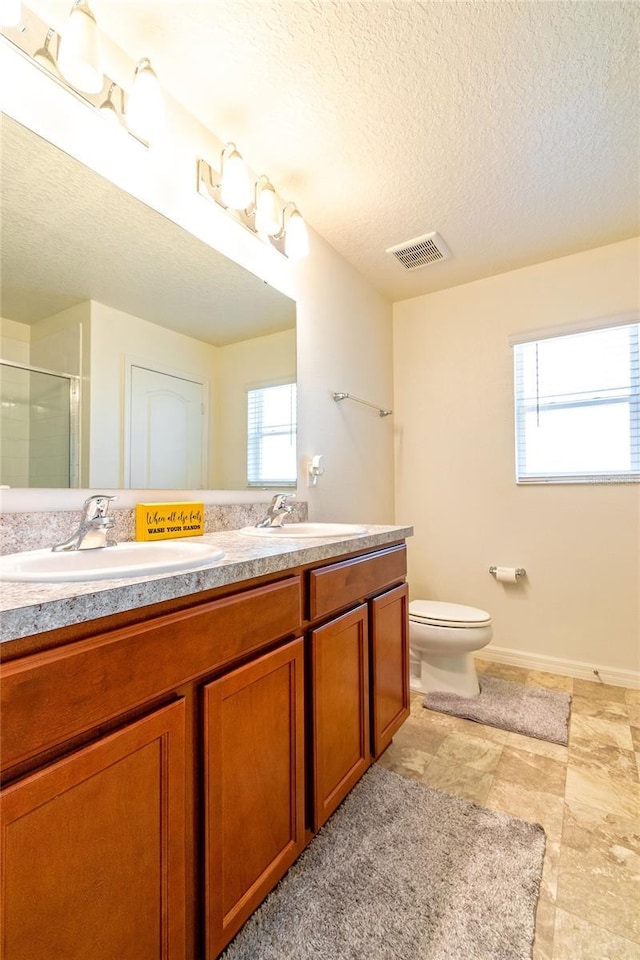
(109, 563)
(289, 530)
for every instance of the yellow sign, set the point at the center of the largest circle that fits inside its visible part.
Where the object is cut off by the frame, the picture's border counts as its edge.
(166, 521)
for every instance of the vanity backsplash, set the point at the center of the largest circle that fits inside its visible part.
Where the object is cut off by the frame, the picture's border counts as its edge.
(34, 531)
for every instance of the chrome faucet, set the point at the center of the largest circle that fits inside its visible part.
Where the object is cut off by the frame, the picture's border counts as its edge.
(94, 526)
(278, 510)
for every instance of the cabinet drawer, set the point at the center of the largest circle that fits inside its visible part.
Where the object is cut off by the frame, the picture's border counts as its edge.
(350, 581)
(49, 697)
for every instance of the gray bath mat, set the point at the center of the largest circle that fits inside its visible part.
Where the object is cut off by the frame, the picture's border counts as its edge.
(533, 711)
(404, 872)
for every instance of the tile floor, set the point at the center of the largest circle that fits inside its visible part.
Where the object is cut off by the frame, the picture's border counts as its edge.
(586, 796)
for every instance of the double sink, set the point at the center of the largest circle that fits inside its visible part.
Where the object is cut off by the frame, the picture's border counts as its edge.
(145, 559)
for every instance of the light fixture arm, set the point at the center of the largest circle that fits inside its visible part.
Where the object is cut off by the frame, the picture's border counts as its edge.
(51, 33)
(291, 206)
(112, 87)
(143, 64)
(43, 55)
(251, 209)
(204, 174)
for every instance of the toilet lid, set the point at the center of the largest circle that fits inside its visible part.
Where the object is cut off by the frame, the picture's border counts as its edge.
(448, 614)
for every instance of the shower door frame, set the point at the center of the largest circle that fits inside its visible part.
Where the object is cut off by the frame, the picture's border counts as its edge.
(75, 387)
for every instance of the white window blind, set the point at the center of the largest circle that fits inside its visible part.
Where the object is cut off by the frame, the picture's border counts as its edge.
(577, 407)
(271, 431)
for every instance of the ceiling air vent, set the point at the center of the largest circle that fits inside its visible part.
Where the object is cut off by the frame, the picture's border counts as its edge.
(421, 251)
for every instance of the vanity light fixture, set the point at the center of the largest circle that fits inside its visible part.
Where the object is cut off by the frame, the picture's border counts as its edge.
(235, 185)
(145, 107)
(44, 57)
(283, 229)
(72, 59)
(10, 13)
(79, 58)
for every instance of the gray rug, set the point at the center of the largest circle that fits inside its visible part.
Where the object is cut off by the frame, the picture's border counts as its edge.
(533, 711)
(404, 872)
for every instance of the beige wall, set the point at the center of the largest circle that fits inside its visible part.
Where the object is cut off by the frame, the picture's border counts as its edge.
(15, 341)
(244, 365)
(344, 344)
(580, 544)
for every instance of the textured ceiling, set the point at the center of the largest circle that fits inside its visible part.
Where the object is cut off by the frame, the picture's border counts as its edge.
(69, 235)
(511, 128)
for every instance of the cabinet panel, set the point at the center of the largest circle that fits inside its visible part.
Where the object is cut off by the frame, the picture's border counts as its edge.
(254, 786)
(49, 697)
(339, 585)
(340, 683)
(93, 850)
(389, 666)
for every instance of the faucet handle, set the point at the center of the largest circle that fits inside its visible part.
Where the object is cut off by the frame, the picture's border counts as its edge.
(97, 506)
(279, 502)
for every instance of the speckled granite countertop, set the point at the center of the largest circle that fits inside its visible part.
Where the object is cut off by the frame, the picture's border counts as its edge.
(31, 608)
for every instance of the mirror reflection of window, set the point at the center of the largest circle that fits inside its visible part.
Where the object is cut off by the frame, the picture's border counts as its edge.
(271, 435)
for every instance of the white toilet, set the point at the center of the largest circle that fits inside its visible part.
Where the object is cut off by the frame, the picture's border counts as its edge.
(442, 637)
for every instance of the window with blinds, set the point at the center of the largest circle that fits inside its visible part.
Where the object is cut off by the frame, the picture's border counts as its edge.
(271, 432)
(577, 407)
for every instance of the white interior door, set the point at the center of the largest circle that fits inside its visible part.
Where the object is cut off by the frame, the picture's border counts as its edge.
(166, 436)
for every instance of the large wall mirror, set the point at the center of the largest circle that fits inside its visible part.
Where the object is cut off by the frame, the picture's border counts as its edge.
(133, 354)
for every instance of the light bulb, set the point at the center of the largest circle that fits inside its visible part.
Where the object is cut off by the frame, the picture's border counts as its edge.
(79, 59)
(267, 219)
(235, 186)
(145, 108)
(10, 13)
(296, 238)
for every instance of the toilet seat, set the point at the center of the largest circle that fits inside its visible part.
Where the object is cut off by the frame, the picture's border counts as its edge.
(440, 614)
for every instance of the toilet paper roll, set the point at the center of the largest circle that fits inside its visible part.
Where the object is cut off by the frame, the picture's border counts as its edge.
(506, 574)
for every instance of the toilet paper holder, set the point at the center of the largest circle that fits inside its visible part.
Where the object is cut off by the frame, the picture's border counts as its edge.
(520, 571)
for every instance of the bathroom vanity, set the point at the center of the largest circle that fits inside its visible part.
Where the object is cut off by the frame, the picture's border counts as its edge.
(165, 763)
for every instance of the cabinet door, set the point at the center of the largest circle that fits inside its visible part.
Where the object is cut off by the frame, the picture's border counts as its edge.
(389, 666)
(340, 684)
(93, 850)
(254, 786)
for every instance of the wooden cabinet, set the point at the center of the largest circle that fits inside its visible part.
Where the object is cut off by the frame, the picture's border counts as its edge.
(254, 799)
(101, 757)
(359, 670)
(340, 721)
(389, 664)
(162, 774)
(93, 850)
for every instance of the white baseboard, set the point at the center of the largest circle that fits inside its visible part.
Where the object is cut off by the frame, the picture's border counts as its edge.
(566, 668)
